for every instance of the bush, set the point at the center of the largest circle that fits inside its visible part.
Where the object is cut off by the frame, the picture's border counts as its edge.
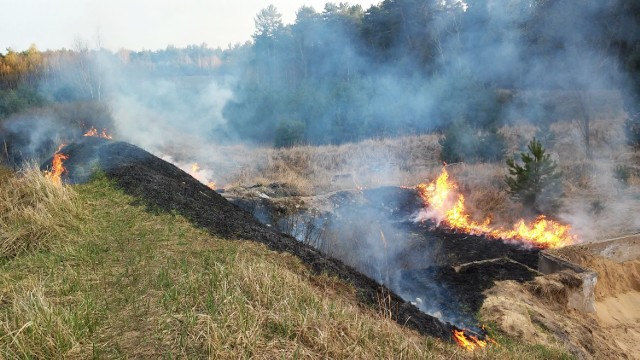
(15, 101)
(289, 133)
(535, 183)
(622, 173)
(462, 142)
(632, 130)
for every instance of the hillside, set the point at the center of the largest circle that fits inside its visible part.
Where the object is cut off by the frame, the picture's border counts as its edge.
(109, 278)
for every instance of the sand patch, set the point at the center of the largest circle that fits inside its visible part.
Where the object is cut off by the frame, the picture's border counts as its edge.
(613, 278)
(620, 315)
(620, 309)
(536, 311)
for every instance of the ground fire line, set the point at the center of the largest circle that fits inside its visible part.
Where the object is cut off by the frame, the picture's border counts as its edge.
(445, 205)
(163, 186)
(93, 132)
(440, 192)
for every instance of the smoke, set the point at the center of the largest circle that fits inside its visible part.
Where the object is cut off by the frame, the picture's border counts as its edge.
(29, 137)
(155, 112)
(344, 75)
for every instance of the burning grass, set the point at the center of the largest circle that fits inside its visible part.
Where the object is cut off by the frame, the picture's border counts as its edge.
(446, 205)
(151, 285)
(599, 194)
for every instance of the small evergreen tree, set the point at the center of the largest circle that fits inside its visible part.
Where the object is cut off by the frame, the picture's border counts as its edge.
(632, 130)
(289, 133)
(464, 142)
(536, 183)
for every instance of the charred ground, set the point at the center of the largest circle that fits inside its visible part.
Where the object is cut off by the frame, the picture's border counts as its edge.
(374, 230)
(162, 186)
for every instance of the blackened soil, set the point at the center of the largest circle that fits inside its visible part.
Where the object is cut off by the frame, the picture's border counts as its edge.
(458, 248)
(452, 248)
(420, 260)
(162, 186)
(460, 293)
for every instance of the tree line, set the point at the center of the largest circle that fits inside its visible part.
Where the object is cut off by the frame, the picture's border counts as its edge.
(347, 73)
(410, 66)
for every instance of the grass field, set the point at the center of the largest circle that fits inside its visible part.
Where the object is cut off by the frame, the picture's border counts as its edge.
(103, 278)
(600, 194)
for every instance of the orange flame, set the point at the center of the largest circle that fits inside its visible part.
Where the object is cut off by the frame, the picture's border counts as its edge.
(195, 172)
(195, 169)
(446, 205)
(57, 168)
(468, 342)
(94, 133)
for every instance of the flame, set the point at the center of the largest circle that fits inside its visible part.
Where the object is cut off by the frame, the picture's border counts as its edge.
(468, 342)
(94, 133)
(57, 168)
(195, 172)
(446, 206)
(195, 169)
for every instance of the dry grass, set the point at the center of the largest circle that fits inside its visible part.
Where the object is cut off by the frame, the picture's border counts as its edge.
(33, 318)
(595, 202)
(33, 211)
(136, 284)
(311, 170)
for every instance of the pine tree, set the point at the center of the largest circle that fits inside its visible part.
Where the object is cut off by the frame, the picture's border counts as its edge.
(536, 183)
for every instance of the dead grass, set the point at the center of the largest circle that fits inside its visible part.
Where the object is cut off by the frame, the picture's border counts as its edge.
(312, 170)
(33, 211)
(137, 284)
(595, 201)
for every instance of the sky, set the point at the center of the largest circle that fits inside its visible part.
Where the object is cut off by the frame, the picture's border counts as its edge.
(137, 24)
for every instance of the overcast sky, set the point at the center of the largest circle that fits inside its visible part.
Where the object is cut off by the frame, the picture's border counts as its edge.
(137, 24)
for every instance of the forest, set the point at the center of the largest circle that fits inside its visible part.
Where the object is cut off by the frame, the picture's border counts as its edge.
(343, 74)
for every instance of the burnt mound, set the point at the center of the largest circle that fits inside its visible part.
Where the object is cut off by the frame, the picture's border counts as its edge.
(443, 272)
(162, 186)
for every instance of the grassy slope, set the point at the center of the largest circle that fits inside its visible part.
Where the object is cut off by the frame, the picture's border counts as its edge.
(117, 281)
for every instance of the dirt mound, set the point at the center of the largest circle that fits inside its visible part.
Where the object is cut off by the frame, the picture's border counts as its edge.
(162, 186)
(460, 289)
(536, 311)
(613, 278)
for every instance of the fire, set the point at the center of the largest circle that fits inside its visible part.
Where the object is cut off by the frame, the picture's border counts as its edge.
(468, 342)
(195, 169)
(94, 133)
(57, 168)
(195, 172)
(446, 206)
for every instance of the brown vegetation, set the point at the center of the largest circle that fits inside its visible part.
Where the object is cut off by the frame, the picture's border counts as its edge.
(33, 211)
(596, 199)
(129, 282)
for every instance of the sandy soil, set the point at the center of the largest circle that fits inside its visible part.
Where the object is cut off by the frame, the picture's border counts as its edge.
(620, 315)
(537, 313)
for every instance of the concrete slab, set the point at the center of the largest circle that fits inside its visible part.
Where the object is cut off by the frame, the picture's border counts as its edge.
(581, 298)
(619, 249)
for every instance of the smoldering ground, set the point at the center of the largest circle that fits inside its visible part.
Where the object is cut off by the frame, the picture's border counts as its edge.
(321, 81)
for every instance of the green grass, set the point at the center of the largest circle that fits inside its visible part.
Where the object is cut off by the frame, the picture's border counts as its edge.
(117, 281)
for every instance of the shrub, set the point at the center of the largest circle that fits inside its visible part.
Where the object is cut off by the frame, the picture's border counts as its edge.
(289, 133)
(632, 130)
(462, 142)
(622, 173)
(535, 183)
